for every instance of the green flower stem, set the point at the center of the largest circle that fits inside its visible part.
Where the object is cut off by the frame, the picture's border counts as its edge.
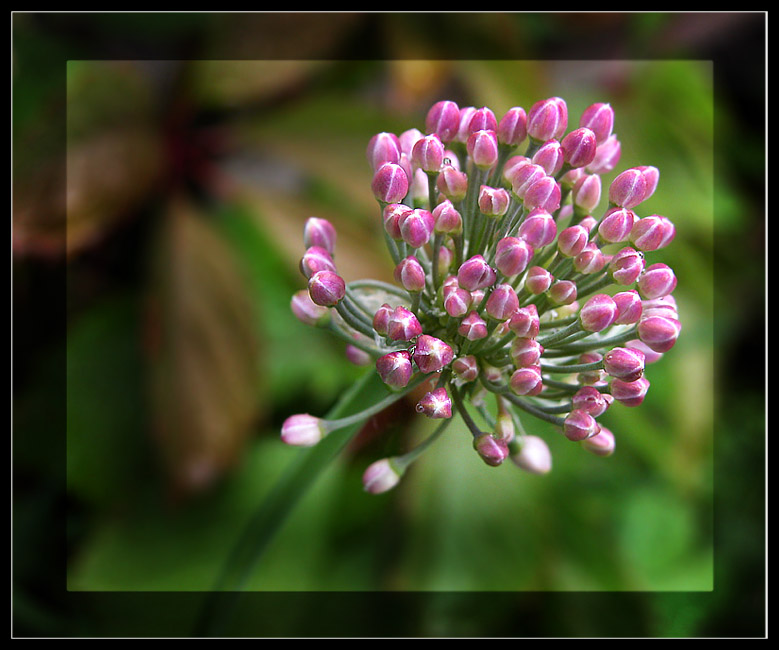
(524, 404)
(603, 343)
(469, 422)
(378, 284)
(437, 240)
(353, 320)
(356, 342)
(564, 333)
(561, 322)
(577, 367)
(409, 457)
(593, 285)
(470, 221)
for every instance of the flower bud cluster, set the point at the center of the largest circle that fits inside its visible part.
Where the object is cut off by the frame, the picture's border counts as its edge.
(513, 278)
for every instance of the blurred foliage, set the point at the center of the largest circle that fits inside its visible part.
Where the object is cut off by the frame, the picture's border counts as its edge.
(161, 223)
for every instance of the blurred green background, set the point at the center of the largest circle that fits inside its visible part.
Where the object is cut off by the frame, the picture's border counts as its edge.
(163, 167)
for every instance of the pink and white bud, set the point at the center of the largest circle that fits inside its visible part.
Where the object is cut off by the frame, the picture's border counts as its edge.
(403, 325)
(665, 306)
(657, 281)
(563, 292)
(628, 189)
(452, 183)
(629, 393)
(616, 225)
(482, 147)
(523, 176)
(431, 354)
(629, 307)
(659, 333)
(408, 139)
(512, 128)
(590, 260)
(443, 119)
(586, 192)
(601, 444)
(463, 131)
(626, 266)
(538, 280)
(326, 288)
(473, 327)
(598, 313)
(381, 476)
(390, 183)
(626, 364)
(302, 430)
(607, 156)
(428, 154)
(525, 322)
(651, 176)
(447, 219)
(651, 233)
(457, 301)
(316, 259)
(493, 202)
(410, 274)
(550, 156)
(307, 311)
(383, 148)
(512, 166)
(475, 274)
(512, 256)
(599, 118)
(544, 194)
(319, 232)
(525, 352)
(527, 381)
(502, 303)
(580, 425)
(482, 119)
(466, 368)
(395, 368)
(572, 240)
(392, 215)
(491, 449)
(533, 456)
(381, 319)
(547, 119)
(357, 356)
(538, 229)
(579, 147)
(416, 227)
(436, 404)
(591, 377)
(649, 354)
(590, 400)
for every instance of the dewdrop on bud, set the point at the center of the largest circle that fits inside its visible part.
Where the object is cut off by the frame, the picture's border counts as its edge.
(436, 404)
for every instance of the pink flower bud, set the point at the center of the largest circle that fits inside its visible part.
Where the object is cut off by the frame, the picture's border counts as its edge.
(408, 139)
(629, 307)
(599, 118)
(525, 322)
(403, 325)
(533, 456)
(579, 147)
(302, 430)
(443, 119)
(626, 266)
(665, 306)
(601, 444)
(357, 356)
(493, 202)
(598, 313)
(473, 327)
(380, 476)
(590, 260)
(416, 227)
(649, 354)
(651, 233)
(629, 393)
(523, 176)
(591, 377)
(502, 302)
(432, 354)
(482, 147)
(457, 302)
(466, 368)
(491, 449)
(627, 190)
(547, 119)
(659, 332)
(616, 225)
(550, 156)
(512, 128)
(607, 156)
(590, 400)
(651, 176)
(307, 311)
(436, 404)
(512, 255)
(463, 130)
(586, 192)
(390, 183)
(525, 352)
(326, 288)
(410, 274)
(319, 232)
(626, 364)
(580, 425)
(452, 183)
(657, 281)
(482, 119)
(572, 240)
(316, 259)
(383, 148)
(395, 368)
(428, 153)
(538, 280)
(447, 219)
(475, 274)
(381, 319)
(544, 194)
(392, 215)
(538, 229)
(563, 292)
(527, 381)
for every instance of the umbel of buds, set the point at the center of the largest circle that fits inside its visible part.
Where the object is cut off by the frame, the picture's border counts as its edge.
(512, 279)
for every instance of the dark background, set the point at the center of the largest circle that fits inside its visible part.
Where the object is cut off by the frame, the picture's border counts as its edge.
(127, 495)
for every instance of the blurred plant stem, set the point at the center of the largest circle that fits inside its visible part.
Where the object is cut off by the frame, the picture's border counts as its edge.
(273, 511)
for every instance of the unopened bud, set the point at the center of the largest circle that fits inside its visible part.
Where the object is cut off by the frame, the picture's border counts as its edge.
(381, 476)
(383, 148)
(657, 281)
(443, 119)
(538, 229)
(326, 288)
(403, 325)
(475, 274)
(319, 232)
(601, 444)
(410, 274)
(527, 381)
(432, 354)
(482, 147)
(579, 147)
(512, 128)
(629, 393)
(580, 425)
(390, 183)
(533, 455)
(302, 430)
(512, 256)
(626, 266)
(307, 311)
(626, 364)
(628, 189)
(599, 118)
(550, 156)
(547, 119)
(428, 153)
(395, 368)
(473, 327)
(491, 449)
(436, 404)
(607, 156)
(598, 313)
